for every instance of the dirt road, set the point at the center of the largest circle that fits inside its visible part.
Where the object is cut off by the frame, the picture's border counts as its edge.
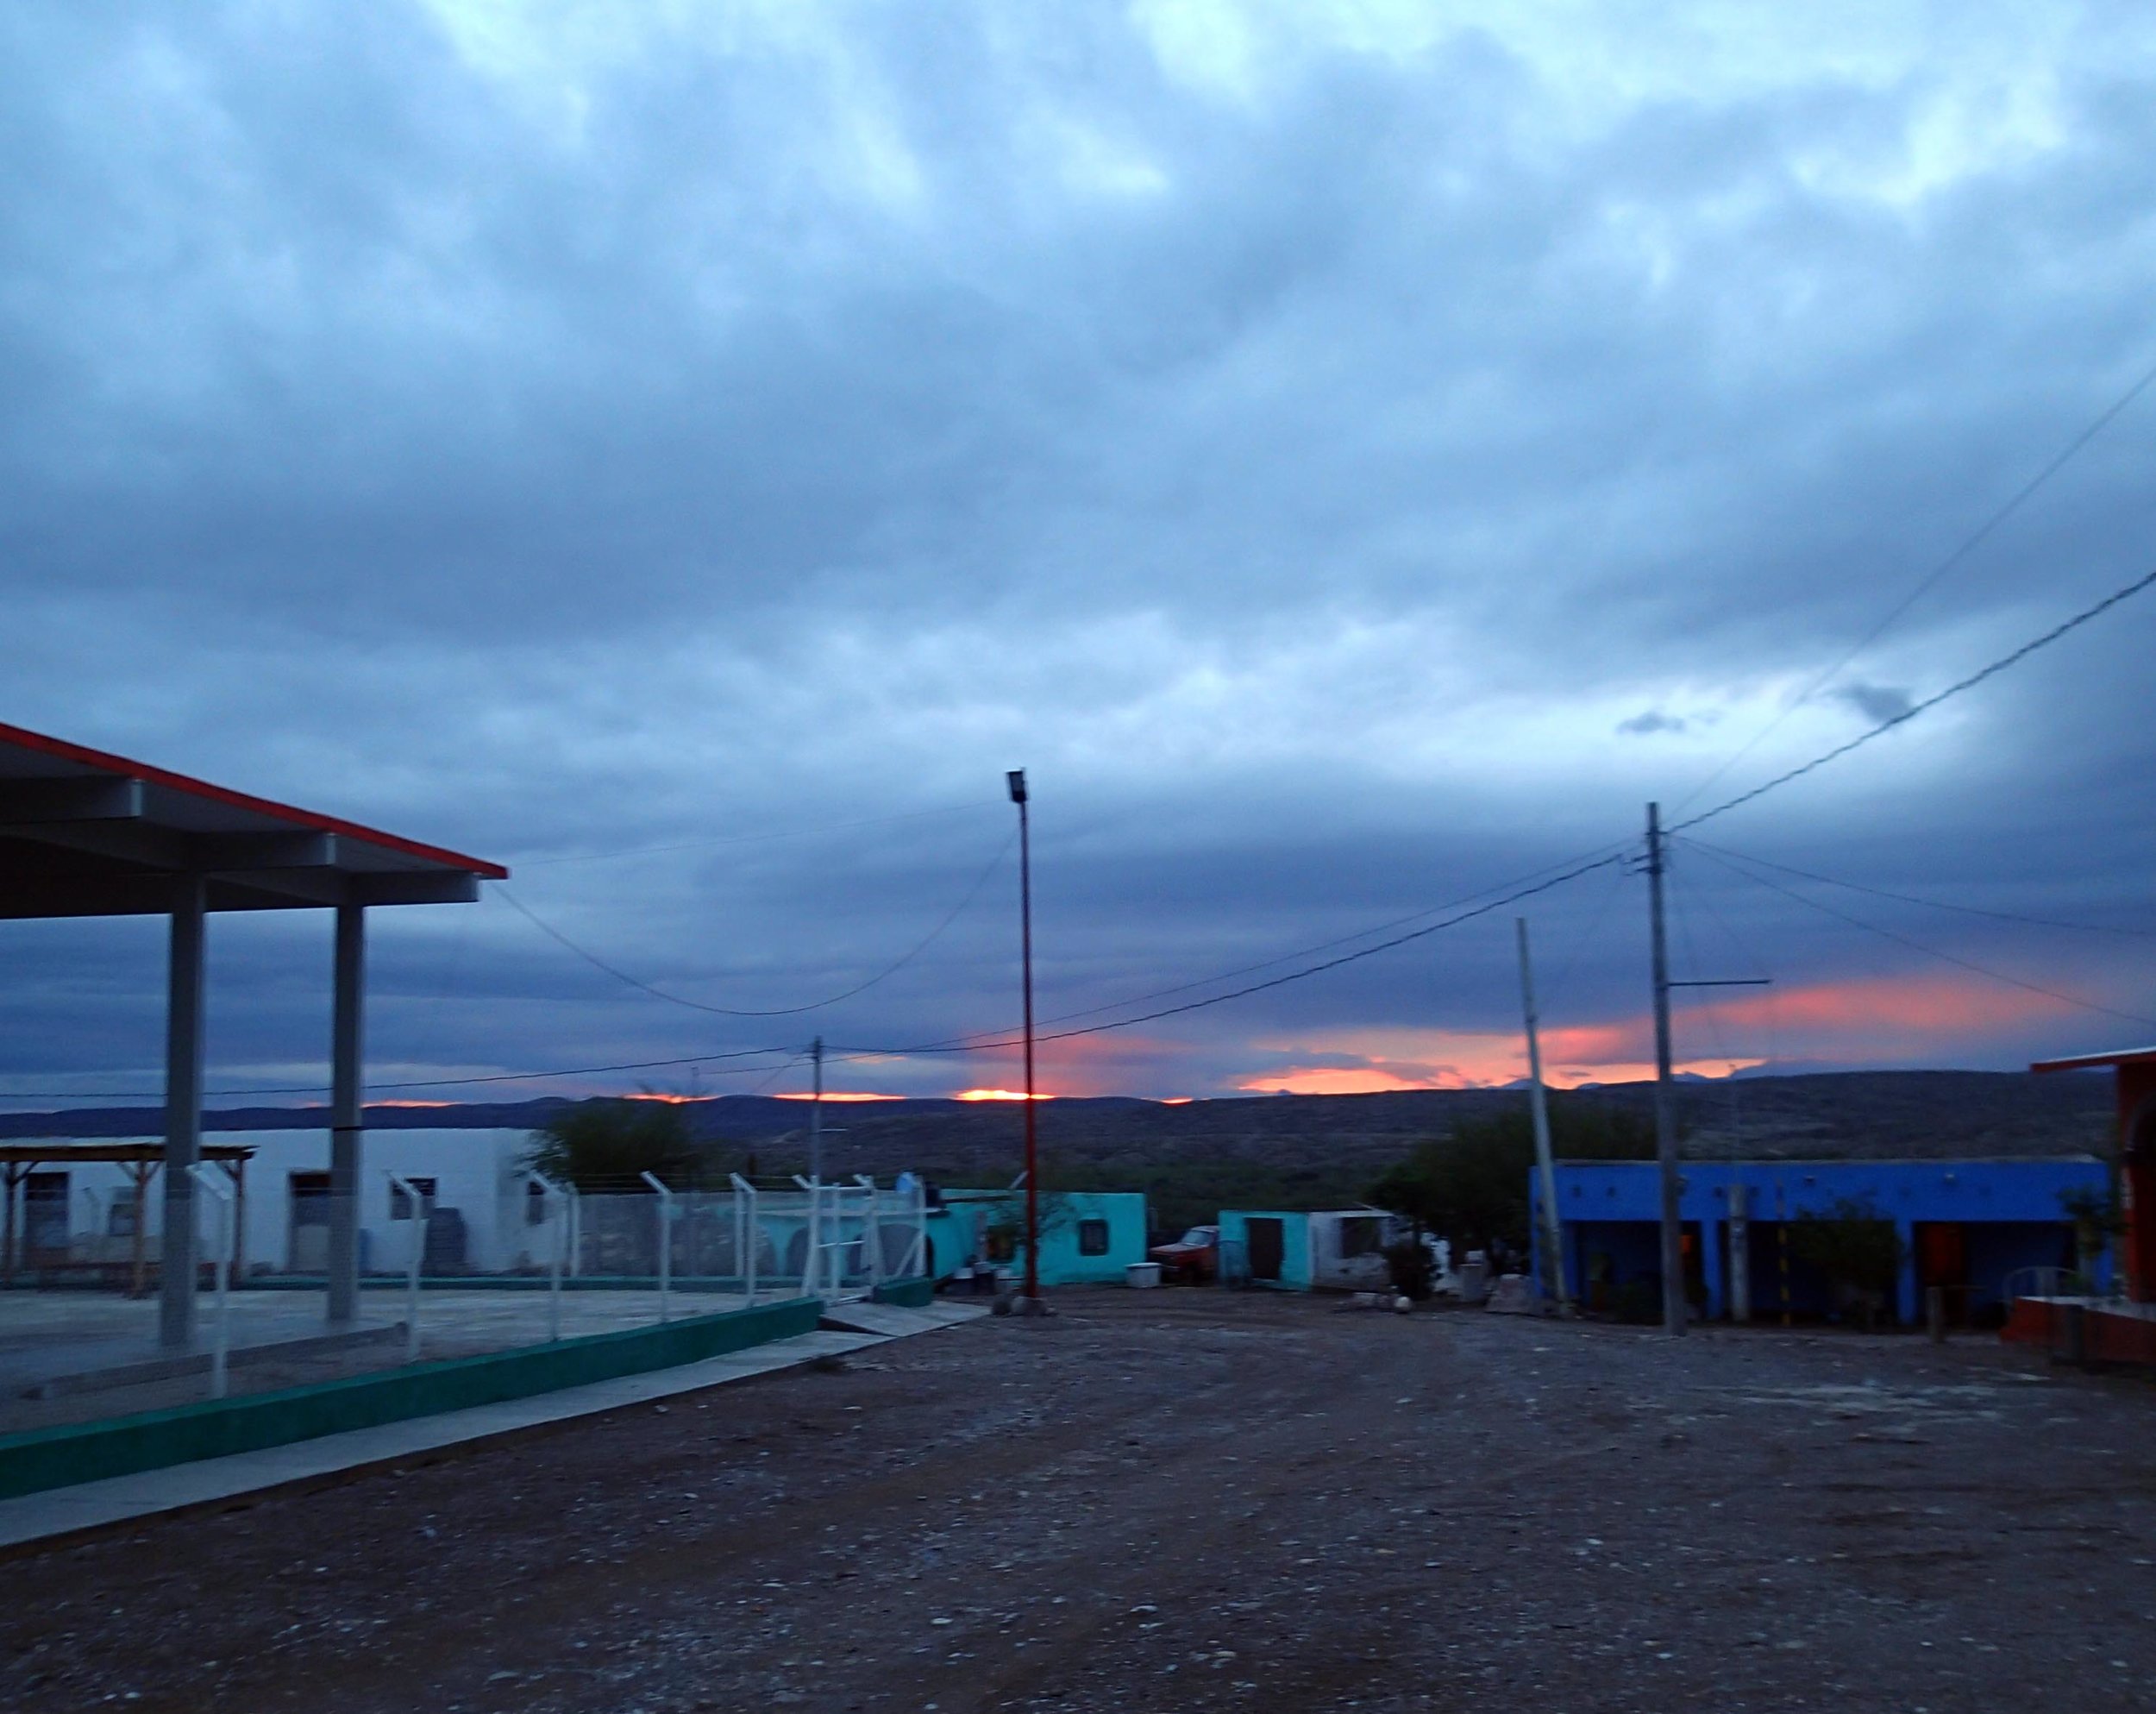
(1195, 1500)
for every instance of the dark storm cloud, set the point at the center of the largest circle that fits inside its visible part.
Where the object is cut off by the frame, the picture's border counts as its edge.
(1323, 450)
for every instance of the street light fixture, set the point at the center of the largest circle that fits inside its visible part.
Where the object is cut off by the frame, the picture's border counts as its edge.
(1016, 780)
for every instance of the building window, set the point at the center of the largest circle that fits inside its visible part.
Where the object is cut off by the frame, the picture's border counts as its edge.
(1359, 1238)
(311, 1199)
(1092, 1237)
(535, 1203)
(400, 1204)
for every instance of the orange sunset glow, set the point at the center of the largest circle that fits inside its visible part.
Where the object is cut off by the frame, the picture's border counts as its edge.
(1864, 1020)
(837, 1095)
(997, 1095)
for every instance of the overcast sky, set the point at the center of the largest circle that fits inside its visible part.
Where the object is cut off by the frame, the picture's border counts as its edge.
(1351, 456)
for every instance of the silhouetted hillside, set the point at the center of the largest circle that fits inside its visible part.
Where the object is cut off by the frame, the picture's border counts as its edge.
(1329, 1139)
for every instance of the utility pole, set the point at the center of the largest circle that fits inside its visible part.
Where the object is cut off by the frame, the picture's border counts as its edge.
(1673, 1309)
(1673, 1305)
(816, 1115)
(1552, 1228)
(816, 1157)
(1016, 780)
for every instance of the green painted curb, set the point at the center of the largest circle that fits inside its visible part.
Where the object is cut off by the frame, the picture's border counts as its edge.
(40, 1459)
(909, 1294)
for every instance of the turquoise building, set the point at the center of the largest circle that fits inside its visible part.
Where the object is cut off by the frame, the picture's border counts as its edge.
(1087, 1237)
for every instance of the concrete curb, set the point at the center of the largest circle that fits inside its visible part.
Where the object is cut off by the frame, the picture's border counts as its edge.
(73, 1454)
(66, 1516)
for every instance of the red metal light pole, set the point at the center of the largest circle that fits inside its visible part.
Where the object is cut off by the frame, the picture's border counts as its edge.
(1017, 780)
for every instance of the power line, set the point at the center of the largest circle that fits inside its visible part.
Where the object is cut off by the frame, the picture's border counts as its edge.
(955, 1046)
(430, 1082)
(756, 839)
(975, 1046)
(1918, 945)
(1321, 946)
(890, 969)
(1929, 904)
(1968, 545)
(1580, 947)
(1909, 713)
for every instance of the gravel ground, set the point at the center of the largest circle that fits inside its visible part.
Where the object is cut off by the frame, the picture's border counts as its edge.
(1190, 1499)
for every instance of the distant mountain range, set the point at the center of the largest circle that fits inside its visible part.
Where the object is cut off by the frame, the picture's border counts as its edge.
(1854, 1115)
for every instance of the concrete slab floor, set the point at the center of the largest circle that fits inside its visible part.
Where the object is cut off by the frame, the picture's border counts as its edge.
(44, 1335)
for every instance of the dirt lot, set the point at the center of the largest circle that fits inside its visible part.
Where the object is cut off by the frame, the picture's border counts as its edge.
(1195, 1500)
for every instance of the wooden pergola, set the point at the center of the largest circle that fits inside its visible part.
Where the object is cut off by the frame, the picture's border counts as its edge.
(19, 1160)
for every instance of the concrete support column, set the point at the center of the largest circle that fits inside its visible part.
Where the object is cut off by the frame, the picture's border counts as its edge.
(1905, 1294)
(182, 1114)
(1710, 1255)
(1740, 1256)
(346, 1098)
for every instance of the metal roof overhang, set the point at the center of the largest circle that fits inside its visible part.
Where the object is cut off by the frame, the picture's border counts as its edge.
(83, 833)
(2090, 1062)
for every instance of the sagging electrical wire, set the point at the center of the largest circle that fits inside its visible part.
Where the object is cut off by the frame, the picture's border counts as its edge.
(887, 971)
(1915, 945)
(1968, 545)
(2064, 628)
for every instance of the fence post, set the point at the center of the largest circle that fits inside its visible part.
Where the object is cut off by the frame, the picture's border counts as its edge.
(558, 1201)
(220, 1350)
(417, 1206)
(812, 1260)
(747, 1236)
(872, 1233)
(1935, 1312)
(666, 1243)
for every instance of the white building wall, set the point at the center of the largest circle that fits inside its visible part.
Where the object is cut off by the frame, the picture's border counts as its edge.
(478, 1173)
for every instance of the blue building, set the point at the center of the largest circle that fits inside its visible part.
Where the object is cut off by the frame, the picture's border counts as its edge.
(1965, 1226)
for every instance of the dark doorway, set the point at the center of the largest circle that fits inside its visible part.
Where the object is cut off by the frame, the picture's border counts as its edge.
(1942, 1259)
(309, 1249)
(45, 1218)
(1266, 1238)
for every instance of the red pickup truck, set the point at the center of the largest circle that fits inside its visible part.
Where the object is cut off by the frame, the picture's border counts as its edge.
(1195, 1256)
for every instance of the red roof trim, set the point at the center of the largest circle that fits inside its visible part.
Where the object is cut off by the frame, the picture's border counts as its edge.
(121, 766)
(2084, 1062)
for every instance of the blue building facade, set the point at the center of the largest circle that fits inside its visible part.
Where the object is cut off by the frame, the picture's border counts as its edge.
(1965, 1226)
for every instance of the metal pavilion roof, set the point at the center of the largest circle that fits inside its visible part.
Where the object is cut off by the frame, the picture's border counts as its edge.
(2090, 1062)
(85, 833)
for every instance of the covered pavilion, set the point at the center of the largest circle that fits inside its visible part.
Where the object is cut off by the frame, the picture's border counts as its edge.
(2134, 1077)
(84, 833)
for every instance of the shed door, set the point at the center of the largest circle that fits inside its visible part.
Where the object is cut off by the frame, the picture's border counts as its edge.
(45, 1206)
(1267, 1243)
